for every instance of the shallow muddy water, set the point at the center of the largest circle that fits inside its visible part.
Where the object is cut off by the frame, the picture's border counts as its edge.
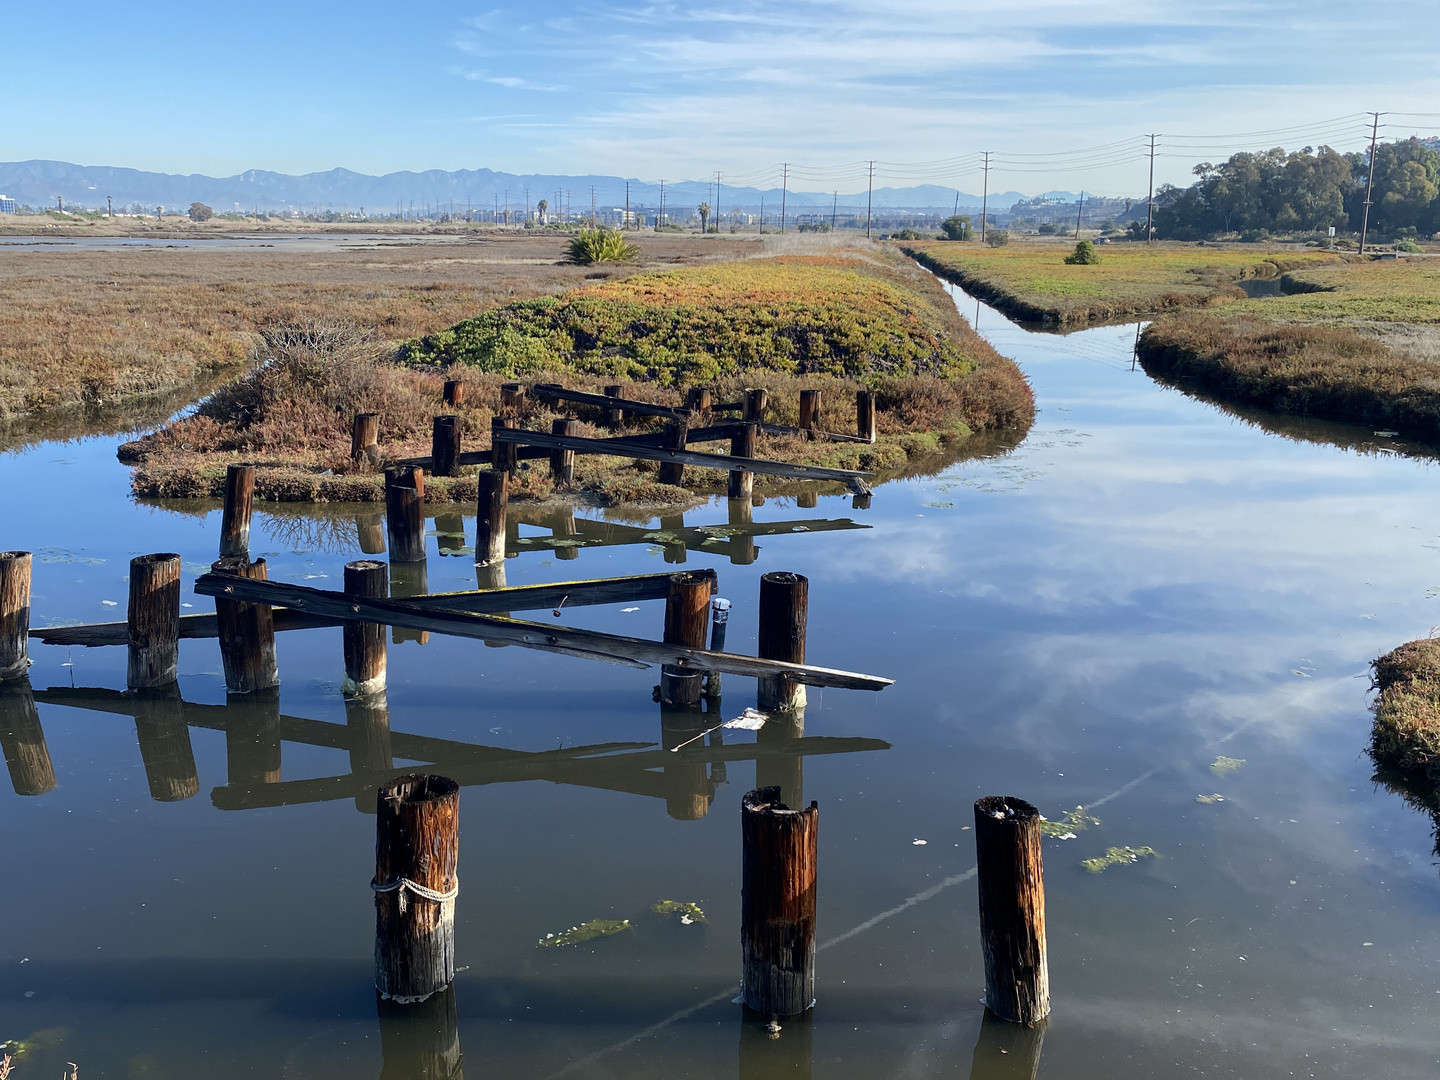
(1143, 588)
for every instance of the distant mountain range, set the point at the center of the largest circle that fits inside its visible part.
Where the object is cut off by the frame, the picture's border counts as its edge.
(40, 183)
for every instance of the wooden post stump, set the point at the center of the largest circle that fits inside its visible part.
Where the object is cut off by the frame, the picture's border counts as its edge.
(365, 438)
(613, 417)
(687, 609)
(562, 462)
(154, 621)
(252, 737)
(14, 614)
(865, 415)
(742, 445)
(454, 393)
(512, 398)
(755, 403)
(417, 856)
(365, 641)
(784, 609)
(673, 472)
(235, 518)
(444, 445)
(246, 631)
(504, 456)
(405, 513)
(165, 744)
(810, 411)
(23, 740)
(490, 512)
(1012, 908)
(370, 533)
(698, 400)
(777, 904)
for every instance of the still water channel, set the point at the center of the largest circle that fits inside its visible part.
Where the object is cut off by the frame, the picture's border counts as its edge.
(1144, 587)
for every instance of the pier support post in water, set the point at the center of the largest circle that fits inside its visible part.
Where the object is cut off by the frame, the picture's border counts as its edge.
(490, 511)
(504, 456)
(613, 417)
(784, 609)
(365, 641)
(165, 744)
(444, 445)
(14, 614)
(687, 610)
(365, 438)
(865, 414)
(247, 632)
(809, 410)
(417, 857)
(562, 462)
(23, 740)
(742, 445)
(1012, 908)
(755, 402)
(454, 393)
(235, 518)
(154, 621)
(420, 1041)
(777, 904)
(673, 472)
(405, 513)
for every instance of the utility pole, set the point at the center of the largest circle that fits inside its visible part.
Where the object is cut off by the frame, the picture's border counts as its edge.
(659, 221)
(718, 177)
(1369, 183)
(527, 206)
(869, 199)
(110, 203)
(762, 215)
(507, 206)
(784, 183)
(1150, 204)
(627, 204)
(985, 198)
(592, 204)
(956, 211)
(1079, 213)
(834, 205)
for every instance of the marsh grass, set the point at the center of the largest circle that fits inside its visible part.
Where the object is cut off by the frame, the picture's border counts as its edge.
(1406, 733)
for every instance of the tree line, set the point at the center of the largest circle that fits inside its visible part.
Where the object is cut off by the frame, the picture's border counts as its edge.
(1305, 190)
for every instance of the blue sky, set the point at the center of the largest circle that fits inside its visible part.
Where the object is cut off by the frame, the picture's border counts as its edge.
(679, 91)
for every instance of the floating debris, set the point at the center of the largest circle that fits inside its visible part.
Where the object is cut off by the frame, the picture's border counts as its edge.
(719, 532)
(586, 931)
(1073, 821)
(940, 505)
(1208, 799)
(61, 555)
(1118, 856)
(919, 843)
(1223, 765)
(689, 913)
(663, 536)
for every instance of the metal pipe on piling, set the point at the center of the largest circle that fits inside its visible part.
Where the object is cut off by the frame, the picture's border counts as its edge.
(405, 513)
(444, 445)
(490, 511)
(1012, 908)
(246, 632)
(687, 609)
(777, 903)
(14, 614)
(365, 641)
(153, 620)
(784, 610)
(235, 519)
(417, 855)
(742, 445)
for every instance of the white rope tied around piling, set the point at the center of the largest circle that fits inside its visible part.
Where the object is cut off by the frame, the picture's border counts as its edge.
(404, 885)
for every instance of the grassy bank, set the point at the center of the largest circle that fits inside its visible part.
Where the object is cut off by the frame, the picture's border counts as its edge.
(1406, 733)
(1030, 281)
(833, 323)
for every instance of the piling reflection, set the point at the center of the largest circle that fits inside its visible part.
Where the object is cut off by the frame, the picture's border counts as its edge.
(1006, 1051)
(370, 531)
(23, 740)
(688, 790)
(450, 533)
(408, 579)
(367, 722)
(252, 737)
(165, 746)
(420, 1040)
(782, 767)
(775, 1050)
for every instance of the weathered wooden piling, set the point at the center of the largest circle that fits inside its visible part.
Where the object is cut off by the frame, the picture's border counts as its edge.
(687, 610)
(1012, 908)
(365, 641)
(417, 856)
(14, 614)
(365, 437)
(420, 1040)
(490, 511)
(370, 533)
(698, 400)
(504, 456)
(810, 411)
(614, 417)
(405, 513)
(252, 738)
(512, 398)
(742, 445)
(784, 609)
(865, 414)
(755, 403)
(562, 462)
(777, 904)
(453, 394)
(444, 445)
(22, 739)
(1006, 1051)
(153, 619)
(165, 748)
(235, 518)
(719, 622)
(246, 631)
(673, 472)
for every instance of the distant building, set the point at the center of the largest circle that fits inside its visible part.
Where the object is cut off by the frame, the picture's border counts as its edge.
(7, 205)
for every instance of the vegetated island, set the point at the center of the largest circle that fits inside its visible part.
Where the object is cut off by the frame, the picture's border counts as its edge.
(839, 322)
(1405, 736)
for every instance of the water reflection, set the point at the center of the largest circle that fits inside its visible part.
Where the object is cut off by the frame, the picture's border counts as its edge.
(23, 740)
(420, 1040)
(771, 1050)
(1417, 792)
(1006, 1051)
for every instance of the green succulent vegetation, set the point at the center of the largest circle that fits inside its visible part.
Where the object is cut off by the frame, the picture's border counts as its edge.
(1117, 856)
(684, 911)
(1083, 255)
(600, 245)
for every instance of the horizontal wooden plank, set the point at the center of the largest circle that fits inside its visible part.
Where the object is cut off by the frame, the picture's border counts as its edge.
(635, 449)
(551, 392)
(590, 644)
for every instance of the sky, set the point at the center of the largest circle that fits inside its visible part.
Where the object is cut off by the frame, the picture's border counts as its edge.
(652, 89)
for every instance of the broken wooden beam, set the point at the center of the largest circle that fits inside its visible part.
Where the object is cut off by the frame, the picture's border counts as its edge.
(551, 392)
(588, 644)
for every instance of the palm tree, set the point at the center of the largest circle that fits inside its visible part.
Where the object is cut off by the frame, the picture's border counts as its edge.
(704, 209)
(541, 207)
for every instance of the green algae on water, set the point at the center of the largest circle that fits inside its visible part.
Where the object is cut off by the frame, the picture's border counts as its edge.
(1223, 765)
(1117, 856)
(1209, 799)
(687, 912)
(1072, 822)
(586, 931)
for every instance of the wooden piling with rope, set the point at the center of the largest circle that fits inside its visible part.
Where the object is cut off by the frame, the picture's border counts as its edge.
(405, 513)
(15, 567)
(784, 611)
(235, 518)
(777, 904)
(1012, 908)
